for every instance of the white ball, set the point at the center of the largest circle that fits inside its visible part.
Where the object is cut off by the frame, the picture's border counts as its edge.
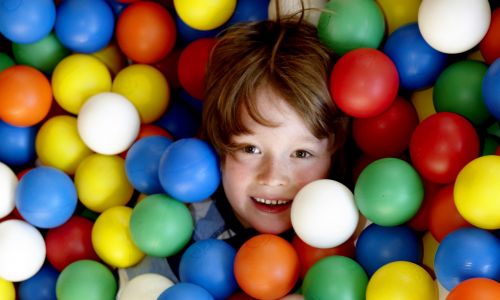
(324, 214)
(22, 250)
(108, 123)
(145, 287)
(454, 26)
(292, 7)
(8, 185)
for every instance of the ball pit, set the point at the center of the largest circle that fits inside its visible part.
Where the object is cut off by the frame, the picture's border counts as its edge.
(145, 286)
(40, 286)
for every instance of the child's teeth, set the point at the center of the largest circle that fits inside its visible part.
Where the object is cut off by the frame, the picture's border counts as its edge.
(270, 202)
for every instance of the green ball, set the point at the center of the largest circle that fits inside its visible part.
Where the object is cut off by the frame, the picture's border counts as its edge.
(346, 25)
(389, 192)
(43, 55)
(86, 279)
(160, 225)
(458, 89)
(5, 61)
(335, 277)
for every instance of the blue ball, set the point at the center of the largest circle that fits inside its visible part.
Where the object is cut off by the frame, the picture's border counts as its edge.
(180, 120)
(46, 197)
(84, 26)
(142, 161)
(18, 144)
(41, 286)
(379, 245)
(418, 64)
(466, 253)
(27, 21)
(185, 291)
(491, 89)
(209, 264)
(249, 11)
(189, 170)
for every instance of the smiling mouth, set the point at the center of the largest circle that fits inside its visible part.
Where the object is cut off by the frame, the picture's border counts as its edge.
(271, 202)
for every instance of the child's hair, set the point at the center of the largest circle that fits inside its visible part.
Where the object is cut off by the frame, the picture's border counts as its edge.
(285, 55)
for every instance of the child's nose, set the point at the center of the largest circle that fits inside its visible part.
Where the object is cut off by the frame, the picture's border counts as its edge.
(272, 172)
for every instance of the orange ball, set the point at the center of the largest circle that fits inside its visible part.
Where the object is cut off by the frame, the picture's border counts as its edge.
(266, 267)
(25, 95)
(477, 289)
(145, 32)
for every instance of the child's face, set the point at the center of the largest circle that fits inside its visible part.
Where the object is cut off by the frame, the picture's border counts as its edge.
(271, 165)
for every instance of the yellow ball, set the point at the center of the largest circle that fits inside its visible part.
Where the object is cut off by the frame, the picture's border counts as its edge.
(430, 246)
(204, 15)
(112, 57)
(399, 12)
(423, 103)
(146, 87)
(401, 280)
(7, 290)
(111, 238)
(101, 182)
(76, 78)
(477, 192)
(59, 145)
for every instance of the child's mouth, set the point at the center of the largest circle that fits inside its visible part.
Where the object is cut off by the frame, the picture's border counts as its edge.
(271, 206)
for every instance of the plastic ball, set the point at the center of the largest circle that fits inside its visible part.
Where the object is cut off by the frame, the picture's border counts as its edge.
(335, 277)
(146, 87)
(454, 27)
(364, 82)
(490, 45)
(112, 57)
(145, 32)
(476, 288)
(22, 250)
(180, 120)
(491, 89)
(108, 123)
(59, 145)
(323, 213)
(204, 15)
(443, 214)
(346, 25)
(84, 26)
(389, 192)
(144, 286)
(209, 264)
(193, 64)
(442, 145)
(6, 61)
(46, 197)
(252, 10)
(429, 248)
(309, 255)
(312, 9)
(186, 291)
(458, 90)
(147, 130)
(25, 96)
(112, 240)
(43, 55)
(388, 133)
(379, 245)
(401, 280)
(41, 286)
(187, 34)
(160, 225)
(86, 279)
(7, 290)
(423, 103)
(466, 253)
(101, 182)
(27, 21)
(266, 267)
(142, 163)
(189, 170)
(399, 13)
(8, 185)
(70, 242)
(78, 77)
(418, 64)
(18, 144)
(420, 221)
(476, 192)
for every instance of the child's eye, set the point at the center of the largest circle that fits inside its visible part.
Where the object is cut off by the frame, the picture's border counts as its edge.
(251, 149)
(302, 154)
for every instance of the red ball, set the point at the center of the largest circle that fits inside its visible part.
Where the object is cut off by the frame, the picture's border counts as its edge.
(193, 64)
(70, 242)
(145, 32)
(364, 82)
(490, 44)
(388, 133)
(442, 145)
(420, 222)
(266, 267)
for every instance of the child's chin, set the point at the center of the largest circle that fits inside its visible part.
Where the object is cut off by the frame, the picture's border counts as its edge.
(272, 228)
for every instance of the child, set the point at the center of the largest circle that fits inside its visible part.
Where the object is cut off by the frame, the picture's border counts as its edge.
(269, 115)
